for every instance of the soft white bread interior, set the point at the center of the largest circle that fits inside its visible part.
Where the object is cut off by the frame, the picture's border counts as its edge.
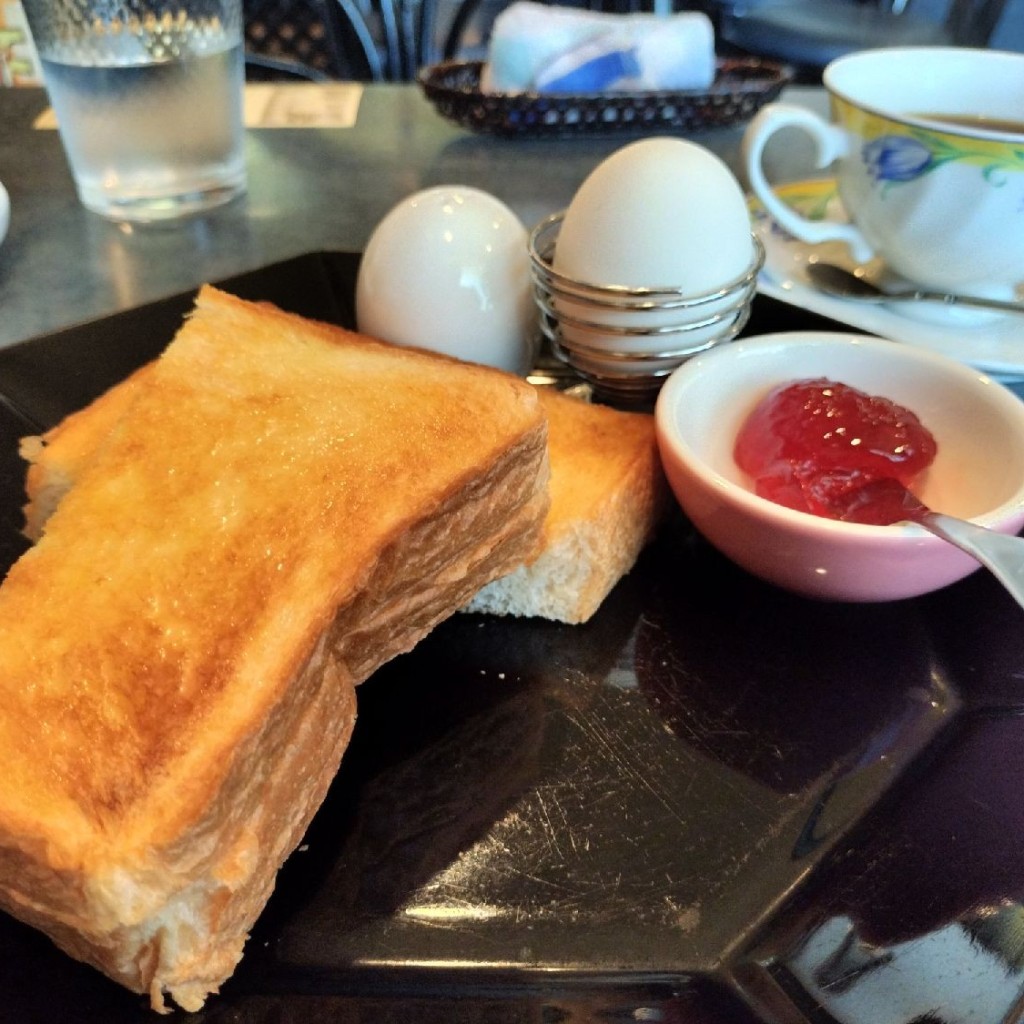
(608, 495)
(277, 508)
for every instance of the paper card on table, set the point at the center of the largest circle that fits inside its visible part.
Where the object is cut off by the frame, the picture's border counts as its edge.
(302, 105)
(291, 105)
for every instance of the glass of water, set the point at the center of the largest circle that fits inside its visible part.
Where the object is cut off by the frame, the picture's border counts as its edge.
(148, 99)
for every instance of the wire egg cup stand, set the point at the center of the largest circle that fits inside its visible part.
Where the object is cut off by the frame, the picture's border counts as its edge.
(623, 341)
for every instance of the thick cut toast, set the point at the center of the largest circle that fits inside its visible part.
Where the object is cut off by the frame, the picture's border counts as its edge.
(57, 459)
(277, 508)
(608, 495)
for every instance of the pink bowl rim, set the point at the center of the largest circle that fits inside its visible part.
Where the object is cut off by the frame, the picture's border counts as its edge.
(1009, 514)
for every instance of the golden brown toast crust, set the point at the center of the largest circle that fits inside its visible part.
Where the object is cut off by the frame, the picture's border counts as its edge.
(279, 507)
(56, 459)
(608, 496)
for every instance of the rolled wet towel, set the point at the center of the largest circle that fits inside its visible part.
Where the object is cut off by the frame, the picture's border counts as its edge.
(537, 48)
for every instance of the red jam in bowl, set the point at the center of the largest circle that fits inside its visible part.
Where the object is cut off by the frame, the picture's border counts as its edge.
(812, 444)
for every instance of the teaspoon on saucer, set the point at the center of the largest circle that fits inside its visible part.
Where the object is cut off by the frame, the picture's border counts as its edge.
(844, 284)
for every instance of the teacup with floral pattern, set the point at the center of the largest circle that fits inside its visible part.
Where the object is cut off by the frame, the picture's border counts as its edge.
(927, 146)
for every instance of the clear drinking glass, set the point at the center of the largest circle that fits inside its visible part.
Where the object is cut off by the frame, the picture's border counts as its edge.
(148, 98)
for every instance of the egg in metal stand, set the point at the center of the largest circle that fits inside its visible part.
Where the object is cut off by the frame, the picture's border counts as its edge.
(447, 269)
(653, 261)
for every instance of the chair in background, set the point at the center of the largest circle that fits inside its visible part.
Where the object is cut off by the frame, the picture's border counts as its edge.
(374, 40)
(385, 40)
(288, 39)
(358, 40)
(809, 33)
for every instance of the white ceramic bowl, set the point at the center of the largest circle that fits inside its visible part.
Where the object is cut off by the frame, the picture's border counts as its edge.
(978, 472)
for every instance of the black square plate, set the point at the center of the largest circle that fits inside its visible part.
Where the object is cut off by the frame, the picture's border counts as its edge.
(536, 821)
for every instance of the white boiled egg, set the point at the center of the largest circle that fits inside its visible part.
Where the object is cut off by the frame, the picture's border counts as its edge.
(448, 269)
(659, 213)
(662, 211)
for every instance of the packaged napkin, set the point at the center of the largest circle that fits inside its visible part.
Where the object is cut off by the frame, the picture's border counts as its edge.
(537, 48)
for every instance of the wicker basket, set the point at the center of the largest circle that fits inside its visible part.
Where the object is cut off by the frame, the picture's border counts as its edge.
(740, 89)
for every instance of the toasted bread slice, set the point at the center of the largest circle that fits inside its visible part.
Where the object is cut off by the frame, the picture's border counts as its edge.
(279, 508)
(608, 495)
(57, 459)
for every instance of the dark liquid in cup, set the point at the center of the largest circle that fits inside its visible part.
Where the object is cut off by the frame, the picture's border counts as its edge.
(976, 122)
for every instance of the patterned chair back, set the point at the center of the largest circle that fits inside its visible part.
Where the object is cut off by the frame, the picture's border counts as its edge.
(360, 40)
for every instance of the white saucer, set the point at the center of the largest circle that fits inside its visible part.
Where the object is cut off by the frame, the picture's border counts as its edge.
(994, 344)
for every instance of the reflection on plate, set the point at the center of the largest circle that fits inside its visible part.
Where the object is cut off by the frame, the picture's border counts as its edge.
(741, 87)
(995, 345)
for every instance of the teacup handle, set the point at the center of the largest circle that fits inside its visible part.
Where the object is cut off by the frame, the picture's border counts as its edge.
(831, 143)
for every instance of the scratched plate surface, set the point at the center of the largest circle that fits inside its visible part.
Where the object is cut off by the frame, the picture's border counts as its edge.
(536, 821)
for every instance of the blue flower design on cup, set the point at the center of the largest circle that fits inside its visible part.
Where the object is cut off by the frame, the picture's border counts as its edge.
(896, 158)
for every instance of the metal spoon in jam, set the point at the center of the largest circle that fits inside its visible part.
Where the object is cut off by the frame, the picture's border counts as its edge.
(822, 447)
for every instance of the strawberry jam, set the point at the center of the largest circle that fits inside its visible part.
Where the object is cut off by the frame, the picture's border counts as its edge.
(812, 444)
